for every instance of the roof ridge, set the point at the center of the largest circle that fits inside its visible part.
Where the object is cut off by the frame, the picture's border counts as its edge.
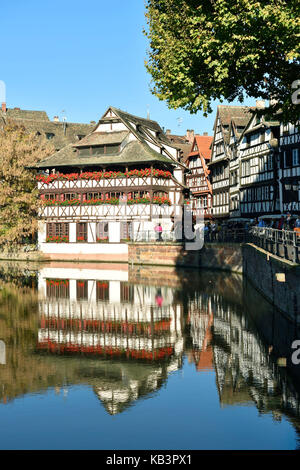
(133, 115)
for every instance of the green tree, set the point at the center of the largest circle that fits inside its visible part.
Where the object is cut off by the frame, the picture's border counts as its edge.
(19, 199)
(204, 50)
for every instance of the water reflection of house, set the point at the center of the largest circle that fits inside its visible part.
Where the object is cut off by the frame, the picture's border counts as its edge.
(98, 313)
(200, 321)
(245, 371)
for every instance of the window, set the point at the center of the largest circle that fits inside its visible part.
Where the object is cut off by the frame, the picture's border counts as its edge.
(295, 157)
(126, 230)
(287, 159)
(102, 290)
(285, 129)
(57, 230)
(82, 290)
(58, 288)
(102, 231)
(127, 292)
(90, 196)
(81, 232)
(106, 149)
(52, 197)
(49, 135)
(70, 196)
(270, 162)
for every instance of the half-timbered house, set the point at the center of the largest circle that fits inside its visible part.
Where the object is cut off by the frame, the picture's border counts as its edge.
(198, 178)
(258, 148)
(289, 168)
(111, 186)
(236, 128)
(221, 155)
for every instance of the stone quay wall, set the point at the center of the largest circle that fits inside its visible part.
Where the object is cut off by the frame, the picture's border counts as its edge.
(278, 280)
(227, 257)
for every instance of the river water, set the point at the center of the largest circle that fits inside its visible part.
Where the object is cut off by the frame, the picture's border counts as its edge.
(108, 356)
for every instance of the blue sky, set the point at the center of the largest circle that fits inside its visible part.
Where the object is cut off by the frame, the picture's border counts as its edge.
(80, 57)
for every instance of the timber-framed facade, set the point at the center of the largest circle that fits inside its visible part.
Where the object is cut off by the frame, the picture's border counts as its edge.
(198, 180)
(113, 185)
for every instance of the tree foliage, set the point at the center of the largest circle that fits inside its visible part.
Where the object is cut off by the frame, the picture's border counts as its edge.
(19, 200)
(204, 50)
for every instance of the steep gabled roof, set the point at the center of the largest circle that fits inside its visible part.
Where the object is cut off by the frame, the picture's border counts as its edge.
(266, 123)
(204, 145)
(240, 115)
(134, 152)
(147, 134)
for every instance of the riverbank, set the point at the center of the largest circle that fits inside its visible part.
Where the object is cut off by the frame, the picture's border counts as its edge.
(223, 256)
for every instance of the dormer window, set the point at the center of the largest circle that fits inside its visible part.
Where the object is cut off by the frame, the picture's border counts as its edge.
(49, 135)
(79, 137)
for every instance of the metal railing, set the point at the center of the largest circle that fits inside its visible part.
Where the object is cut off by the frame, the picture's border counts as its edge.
(152, 236)
(283, 243)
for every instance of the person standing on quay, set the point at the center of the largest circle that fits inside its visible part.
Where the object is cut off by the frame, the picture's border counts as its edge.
(158, 230)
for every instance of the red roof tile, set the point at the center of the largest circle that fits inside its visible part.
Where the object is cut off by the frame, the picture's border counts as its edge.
(203, 143)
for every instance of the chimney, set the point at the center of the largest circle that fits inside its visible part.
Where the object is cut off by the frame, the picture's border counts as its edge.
(205, 133)
(3, 107)
(168, 131)
(190, 135)
(56, 119)
(17, 109)
(260, 104)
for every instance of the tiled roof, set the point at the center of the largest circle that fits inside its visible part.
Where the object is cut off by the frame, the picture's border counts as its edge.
(102, 138)
(133, 152)
(61, 133)
(204, 145)
(145, 132)
(227, 113)
(141, 127)
(16, 113)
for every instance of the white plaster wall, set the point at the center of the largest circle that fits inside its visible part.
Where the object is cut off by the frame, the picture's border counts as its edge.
(72, 285)
(114, 232)
(116, 126)
(72, 232)
(178, 174)
(83, 274)
(154, 147)
(114, 291)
